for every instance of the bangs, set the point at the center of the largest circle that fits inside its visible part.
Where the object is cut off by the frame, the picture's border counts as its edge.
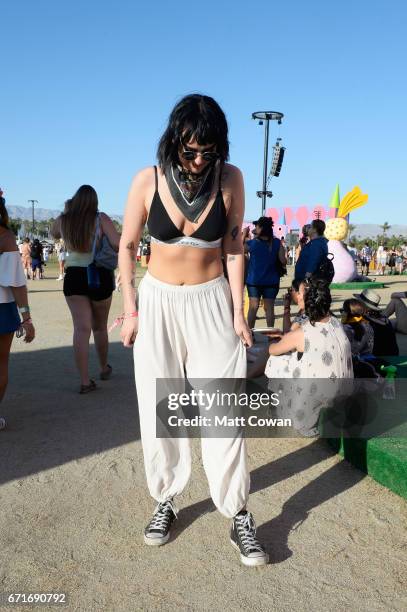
(195, 117)
(203, 132)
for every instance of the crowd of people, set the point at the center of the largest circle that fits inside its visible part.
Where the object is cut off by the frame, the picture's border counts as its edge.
(187, 316)
(381, 260)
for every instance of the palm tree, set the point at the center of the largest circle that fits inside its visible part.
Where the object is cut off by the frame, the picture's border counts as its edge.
(385, 227)
(351, 228)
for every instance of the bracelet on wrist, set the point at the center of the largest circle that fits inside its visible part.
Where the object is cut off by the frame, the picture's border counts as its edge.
(27, 321)
(130, 315)
(23, 309)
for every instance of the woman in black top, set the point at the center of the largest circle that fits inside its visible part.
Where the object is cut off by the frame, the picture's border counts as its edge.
(190, 319)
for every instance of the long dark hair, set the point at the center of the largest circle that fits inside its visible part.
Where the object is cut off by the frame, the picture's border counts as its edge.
(195, 116)
(267, 228)
(317, 299)
(78, 219)
(4, 218)
(354, 308)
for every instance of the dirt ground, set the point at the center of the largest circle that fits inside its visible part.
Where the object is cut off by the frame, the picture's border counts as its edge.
(74, 501)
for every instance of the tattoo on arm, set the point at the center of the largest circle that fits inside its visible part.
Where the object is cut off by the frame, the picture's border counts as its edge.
(130, 246)
(231, 257)
(234, 232)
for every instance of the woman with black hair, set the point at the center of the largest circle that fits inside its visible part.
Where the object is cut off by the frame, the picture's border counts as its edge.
(190, 319)
(317, 349)
(266, 260)
(13, 298)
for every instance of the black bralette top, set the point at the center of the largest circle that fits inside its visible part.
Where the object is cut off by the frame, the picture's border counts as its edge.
(162, 228)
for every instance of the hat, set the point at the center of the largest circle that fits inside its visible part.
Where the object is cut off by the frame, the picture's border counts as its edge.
(369, 298)
(264, 222)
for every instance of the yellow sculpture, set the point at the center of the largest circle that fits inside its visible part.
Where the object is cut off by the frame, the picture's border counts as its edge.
(337, 229)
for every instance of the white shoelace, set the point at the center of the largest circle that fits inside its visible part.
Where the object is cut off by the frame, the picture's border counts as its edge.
(162, 516)
(246, 528)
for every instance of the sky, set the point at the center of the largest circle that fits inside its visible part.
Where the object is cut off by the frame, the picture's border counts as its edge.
(87, 88)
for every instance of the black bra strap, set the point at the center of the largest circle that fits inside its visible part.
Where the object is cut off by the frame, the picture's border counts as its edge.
(156, 178)
(220, 177)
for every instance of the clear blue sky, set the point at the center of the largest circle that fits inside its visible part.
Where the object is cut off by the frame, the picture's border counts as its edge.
(87, 88)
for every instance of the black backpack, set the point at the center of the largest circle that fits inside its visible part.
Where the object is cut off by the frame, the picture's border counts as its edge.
(35, 252)
(326, 270)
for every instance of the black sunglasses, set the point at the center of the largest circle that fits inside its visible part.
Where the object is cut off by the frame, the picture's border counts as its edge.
(189, 154)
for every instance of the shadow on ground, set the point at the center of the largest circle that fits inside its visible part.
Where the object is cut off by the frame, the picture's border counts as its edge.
(275, 533)
(49, 423)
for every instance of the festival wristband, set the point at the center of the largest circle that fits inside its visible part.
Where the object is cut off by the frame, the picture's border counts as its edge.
(119, 320)
(30, 321)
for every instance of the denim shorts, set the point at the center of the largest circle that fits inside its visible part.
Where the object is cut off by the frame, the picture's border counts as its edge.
(9, 318)
(36, 263)
(267, 292)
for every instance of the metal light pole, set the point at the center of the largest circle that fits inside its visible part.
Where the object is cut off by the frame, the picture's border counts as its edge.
(266, 117)
(32, 204)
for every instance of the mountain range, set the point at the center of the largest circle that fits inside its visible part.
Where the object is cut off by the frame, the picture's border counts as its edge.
(363, 230)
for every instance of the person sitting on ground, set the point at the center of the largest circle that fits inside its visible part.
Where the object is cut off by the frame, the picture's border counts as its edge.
(357, 328)
(385, 342)
(291, 297)
(317, 349)
(267, 258)
(313, 253)
(321, 339)
(398, 307)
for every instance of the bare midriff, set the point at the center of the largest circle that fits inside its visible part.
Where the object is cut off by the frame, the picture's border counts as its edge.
(184, 265)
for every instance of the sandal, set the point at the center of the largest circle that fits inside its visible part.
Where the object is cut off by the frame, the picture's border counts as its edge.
(107, 374)
(88, 388)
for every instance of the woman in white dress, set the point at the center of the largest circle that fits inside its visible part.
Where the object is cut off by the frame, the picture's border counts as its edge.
(317, 349)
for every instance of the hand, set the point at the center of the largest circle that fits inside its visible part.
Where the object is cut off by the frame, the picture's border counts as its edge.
(246, 233)
(29, 331)
(275, 334)
(129, 331)
(243, 330)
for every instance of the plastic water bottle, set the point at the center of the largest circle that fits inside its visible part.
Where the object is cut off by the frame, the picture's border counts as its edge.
(389, 389)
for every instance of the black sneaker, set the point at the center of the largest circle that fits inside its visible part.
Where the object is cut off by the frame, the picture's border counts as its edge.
(243, 538)
(157, 531)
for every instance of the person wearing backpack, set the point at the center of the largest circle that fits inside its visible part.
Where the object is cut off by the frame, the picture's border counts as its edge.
(89, 281)
(36, 259)
(313, 259)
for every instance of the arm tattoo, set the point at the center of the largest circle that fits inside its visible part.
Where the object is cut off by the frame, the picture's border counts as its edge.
(130, 246)
(234, 232)
(231, 257)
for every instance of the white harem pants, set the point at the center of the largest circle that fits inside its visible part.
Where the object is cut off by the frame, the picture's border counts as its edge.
(188, 331)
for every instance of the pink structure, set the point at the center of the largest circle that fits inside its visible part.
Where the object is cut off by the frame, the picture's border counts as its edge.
(288, 217)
